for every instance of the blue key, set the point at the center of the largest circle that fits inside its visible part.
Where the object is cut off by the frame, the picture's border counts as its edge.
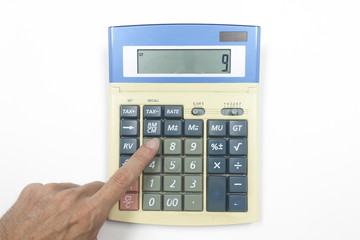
(237, 147)
(216, 194)
(173, 128)
(193, 128)
(175, 112)
(237, 203)
(237, 165)
(216, 146)
(129, 128)
(123, 160)
(129, 111)
(152, 112)
(237, 184)
(216, 165)
(128, 145)
(238, 128)
(216, 128)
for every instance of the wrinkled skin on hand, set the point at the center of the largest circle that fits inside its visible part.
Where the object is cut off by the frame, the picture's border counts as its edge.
(70, 211)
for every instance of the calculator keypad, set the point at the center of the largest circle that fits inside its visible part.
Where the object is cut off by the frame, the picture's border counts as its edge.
(174, 180)
(227, 166)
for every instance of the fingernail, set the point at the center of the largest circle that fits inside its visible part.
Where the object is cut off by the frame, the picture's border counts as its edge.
(153, 143)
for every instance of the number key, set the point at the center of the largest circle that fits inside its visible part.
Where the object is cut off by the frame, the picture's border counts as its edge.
(152, 183)
(193, 183)
(193, 164)
(172, 183)
(159, 152)
(172, 146)
(154, 166)
(172, 165)
(172, 202)
(193, 146)
(152, 202)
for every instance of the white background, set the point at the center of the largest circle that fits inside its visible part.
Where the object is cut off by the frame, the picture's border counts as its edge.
(54, 106)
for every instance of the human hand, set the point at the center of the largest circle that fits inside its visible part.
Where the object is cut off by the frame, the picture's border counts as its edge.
(70, 211)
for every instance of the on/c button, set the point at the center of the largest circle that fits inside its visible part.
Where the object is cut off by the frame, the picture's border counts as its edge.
(198, 111)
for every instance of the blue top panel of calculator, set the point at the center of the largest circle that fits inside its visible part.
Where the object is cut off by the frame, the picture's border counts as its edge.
(181, 35)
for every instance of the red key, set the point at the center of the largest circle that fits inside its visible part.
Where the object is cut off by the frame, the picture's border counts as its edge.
(129, 201)
(134, 187)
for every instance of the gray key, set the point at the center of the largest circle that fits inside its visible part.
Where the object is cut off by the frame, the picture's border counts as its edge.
(128, 111)
(172, 183)
(172, 146)
(128, 145)
(237, 146)
(172, 202)
(173, 112)
(154, 166)
(193, 128)
(216, 128)
(152, 112)
(129, 128)
(173, 128)
(193, 164)
(172, 165)
(193, 202)
(238, 128)
(237, 184)
(159, 152)
(152, 128)
(152, 183)
(193, 183)
(152, 201)
(216, 146)
(193, 146)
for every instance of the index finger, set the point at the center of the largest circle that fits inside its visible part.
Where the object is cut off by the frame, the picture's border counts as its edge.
(125, 176)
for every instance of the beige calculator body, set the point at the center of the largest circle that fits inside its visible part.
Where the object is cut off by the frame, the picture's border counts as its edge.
(195, 88)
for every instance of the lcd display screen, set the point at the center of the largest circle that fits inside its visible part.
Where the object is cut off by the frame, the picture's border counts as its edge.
(183, 61)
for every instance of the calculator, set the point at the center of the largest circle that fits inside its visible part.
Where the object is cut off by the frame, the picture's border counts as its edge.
(194, 87)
